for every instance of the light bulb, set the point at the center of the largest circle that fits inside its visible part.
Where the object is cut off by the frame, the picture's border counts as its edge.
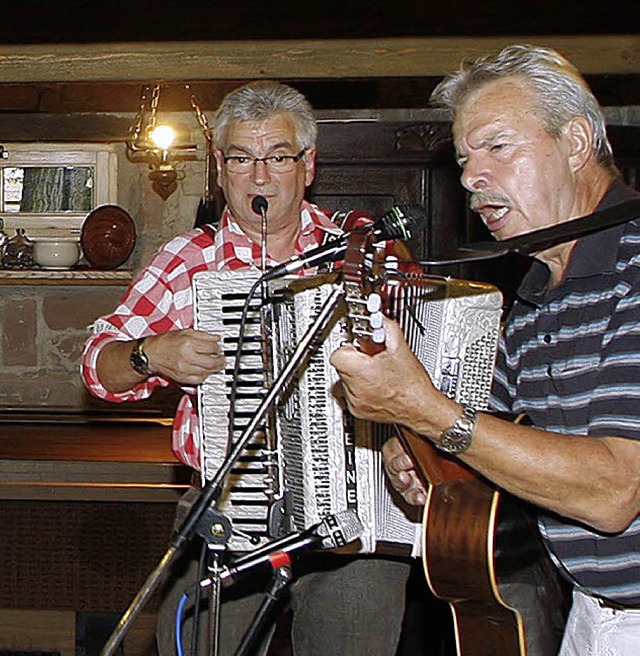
(163, 136)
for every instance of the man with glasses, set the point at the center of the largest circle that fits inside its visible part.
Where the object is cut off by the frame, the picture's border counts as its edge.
(265, 137)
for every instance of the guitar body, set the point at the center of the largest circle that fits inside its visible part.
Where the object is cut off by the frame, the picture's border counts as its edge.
(476, 539)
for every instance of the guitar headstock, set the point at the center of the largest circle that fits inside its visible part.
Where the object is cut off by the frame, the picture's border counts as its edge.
(362, 279)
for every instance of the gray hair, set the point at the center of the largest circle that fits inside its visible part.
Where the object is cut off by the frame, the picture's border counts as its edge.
(560, 91)
(258, 101)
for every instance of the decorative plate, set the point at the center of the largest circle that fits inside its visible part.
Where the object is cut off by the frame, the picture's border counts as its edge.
(108, 237)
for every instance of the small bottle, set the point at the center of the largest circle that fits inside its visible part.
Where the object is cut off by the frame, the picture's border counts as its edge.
(18, 251)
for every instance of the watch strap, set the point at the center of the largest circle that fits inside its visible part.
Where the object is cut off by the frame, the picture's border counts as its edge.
(139, 360)
(457, 438)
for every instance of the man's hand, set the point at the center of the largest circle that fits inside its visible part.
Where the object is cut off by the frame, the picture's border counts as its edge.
(402, 472)
(392, 386)
(186, 356)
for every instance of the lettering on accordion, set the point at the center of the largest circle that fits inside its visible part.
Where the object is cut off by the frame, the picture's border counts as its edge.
(312, 458)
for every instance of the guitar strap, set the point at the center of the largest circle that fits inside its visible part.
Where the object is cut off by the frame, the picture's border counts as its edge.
(538, 240)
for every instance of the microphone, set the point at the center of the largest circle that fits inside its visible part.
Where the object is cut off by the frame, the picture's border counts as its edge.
(259, 205)
(400, 222)
(333, 531)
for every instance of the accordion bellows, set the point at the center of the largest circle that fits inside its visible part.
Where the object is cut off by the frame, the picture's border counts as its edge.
(312, 458)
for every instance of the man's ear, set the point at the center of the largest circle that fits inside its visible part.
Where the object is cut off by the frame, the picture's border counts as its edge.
(219, 164)
(309, 166)
(580, 139)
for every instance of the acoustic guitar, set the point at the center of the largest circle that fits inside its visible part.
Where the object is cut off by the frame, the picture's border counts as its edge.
(478, 541)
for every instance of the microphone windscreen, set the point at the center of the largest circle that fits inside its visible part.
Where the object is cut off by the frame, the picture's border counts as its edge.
(259, 205)
(402, 222)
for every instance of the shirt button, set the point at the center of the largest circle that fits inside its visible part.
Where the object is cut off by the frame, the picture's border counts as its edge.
(547, 339)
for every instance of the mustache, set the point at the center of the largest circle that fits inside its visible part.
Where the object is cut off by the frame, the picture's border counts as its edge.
(479, 199)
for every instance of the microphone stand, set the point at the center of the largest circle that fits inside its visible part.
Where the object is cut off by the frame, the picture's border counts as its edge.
(259, 205)
(212, 490)
(213, 635)
(282, 576)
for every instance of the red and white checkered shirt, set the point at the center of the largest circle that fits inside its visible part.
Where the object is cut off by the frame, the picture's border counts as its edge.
(160, 299)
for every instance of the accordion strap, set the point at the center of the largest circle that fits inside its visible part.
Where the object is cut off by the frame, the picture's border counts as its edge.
(209, 229)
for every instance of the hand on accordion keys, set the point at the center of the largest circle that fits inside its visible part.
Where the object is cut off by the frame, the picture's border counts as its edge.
(332, 532)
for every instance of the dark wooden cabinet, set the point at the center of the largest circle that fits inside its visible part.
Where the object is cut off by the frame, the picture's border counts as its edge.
(375, 164)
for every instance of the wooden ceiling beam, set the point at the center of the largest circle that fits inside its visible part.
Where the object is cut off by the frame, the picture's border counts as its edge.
(295, 59)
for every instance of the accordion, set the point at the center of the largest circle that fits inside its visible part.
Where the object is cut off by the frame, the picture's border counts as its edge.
(311, 457)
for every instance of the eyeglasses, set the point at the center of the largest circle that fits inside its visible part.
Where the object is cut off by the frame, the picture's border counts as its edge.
(274, 163)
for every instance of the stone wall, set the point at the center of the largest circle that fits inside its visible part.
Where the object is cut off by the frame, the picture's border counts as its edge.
(42, 334)
(43, 327)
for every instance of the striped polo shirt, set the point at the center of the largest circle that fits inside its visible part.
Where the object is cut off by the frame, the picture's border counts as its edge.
(570, 359)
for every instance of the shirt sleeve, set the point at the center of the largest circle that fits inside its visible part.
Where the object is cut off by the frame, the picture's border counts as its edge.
(158, 301)
(89, 370)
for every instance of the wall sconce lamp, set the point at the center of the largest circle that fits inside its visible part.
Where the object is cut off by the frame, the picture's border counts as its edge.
(155, 143)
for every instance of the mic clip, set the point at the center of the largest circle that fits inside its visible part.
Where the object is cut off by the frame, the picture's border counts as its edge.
(214, 527)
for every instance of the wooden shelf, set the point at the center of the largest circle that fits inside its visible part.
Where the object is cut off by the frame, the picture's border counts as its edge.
(66, 277)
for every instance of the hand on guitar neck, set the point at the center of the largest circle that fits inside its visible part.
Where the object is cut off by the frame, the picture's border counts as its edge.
(378, 350)
(376, 389)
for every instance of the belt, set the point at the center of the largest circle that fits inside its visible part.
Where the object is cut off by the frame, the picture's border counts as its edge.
(613, 605)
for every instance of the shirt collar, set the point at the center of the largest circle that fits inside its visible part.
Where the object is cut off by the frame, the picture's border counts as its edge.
(594, 254)
(313, 219)
(314, 224)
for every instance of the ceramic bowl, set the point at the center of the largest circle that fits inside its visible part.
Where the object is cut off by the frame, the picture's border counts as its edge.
(56, 252)
(108, 237)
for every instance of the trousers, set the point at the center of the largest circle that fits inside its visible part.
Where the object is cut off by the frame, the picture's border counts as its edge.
(593, 630)
(344, 605)
(541, 597)
(340, 605)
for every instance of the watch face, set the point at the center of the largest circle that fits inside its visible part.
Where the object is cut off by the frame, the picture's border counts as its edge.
(139, 360)
(455, 440)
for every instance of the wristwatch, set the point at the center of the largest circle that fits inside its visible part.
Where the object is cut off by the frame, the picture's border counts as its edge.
(139, 360)
(457, 438)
